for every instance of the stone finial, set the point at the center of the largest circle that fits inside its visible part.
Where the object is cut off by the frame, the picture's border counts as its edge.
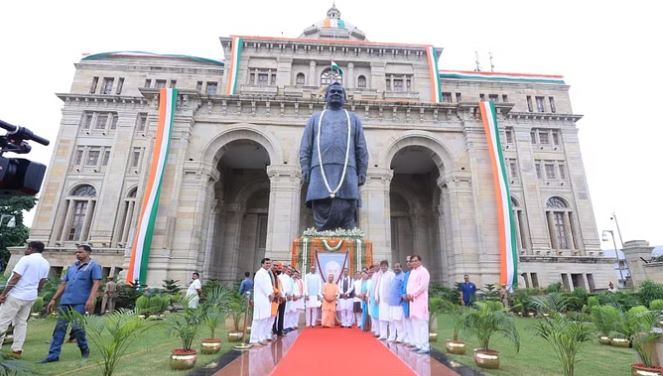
(333, 12)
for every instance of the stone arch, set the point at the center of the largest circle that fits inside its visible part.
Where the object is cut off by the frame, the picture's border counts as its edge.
(439, 153)
(214, 150)
(556, 200)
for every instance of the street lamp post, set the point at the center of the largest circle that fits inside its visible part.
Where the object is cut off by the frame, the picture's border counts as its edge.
(614, 243)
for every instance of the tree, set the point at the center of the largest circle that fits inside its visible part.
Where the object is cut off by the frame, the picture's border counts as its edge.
(18, 234)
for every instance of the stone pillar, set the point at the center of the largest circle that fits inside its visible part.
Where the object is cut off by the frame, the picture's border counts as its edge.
(634, 250)
(350, 84)
(375, 215)
(283, 216)
(312, 80)
(229, 248)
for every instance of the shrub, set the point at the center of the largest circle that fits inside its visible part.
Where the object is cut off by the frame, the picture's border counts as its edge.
(649, 291)
(593, 301)
(143, 305)
(446, 293)
(490, 292)
(489, 318)
(554, 287)
(605, 319)
(38, 305)
(656, 305)
(171, 287)
(126, 296)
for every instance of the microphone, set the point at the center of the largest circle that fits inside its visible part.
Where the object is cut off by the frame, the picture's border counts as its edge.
(22, 133)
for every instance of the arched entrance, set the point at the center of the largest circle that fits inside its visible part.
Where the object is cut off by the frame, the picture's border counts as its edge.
(417, 208)
(242, 194)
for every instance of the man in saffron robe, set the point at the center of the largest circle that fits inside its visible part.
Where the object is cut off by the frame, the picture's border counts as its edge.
(329, 297)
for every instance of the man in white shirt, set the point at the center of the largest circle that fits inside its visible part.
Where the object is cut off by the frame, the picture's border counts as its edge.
(263, 294)
(382, 291)
(312, 295)
(346, 288)
(356, 301)
(194, 291)
(28, 277)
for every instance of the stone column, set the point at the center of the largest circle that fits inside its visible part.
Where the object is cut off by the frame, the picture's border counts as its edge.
(350, 84)
(375, 215)
(283, 216)
(312, 80)
(551, 230)
(635, 251)
(229, 247)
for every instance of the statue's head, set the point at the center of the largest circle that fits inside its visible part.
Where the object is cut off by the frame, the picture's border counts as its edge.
(335, 95)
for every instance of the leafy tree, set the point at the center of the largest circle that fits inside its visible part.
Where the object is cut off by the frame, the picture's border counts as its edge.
(17, 235)
(170, 286)
(649, 291)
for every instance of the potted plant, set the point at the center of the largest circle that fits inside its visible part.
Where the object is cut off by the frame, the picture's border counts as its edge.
(435, 307)
(566, 336)
(643, 344)
(605, 319)
(37, 307)
(213, 316)
(456, 317)
(487, 319)
(234, 310)
(185, 326)
(628, 326)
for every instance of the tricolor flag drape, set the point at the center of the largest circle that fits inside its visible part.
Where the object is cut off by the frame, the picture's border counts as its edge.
(505, 220)
(140, 249)
(434, 72)
(233, 70)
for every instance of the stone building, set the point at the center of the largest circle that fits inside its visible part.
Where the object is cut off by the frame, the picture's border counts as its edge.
(232, 191)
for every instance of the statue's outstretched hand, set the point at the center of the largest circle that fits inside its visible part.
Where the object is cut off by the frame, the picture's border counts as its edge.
(362, 180)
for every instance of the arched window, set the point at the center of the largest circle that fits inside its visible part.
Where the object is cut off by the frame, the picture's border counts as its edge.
(329, 76)
(126, 218)
(560, 224)
(78, 212)
(522, 227)
(300, 80)
(361, 82)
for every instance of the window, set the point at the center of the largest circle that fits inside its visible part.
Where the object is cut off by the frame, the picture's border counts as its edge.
(135, 157)
(92, 157)
(513, 168)
(555, 137)
(529, 104)
(532, 135)
(273, 79)
(148, 83)
(107, 87)
(104, 160)
(560, 224)
(263, 79)
(329, 76)
(398, 84)
(361, 82)
(458, 96)
(408, 84)
(120, 83)
(93, 87)
(87, 120)
(505, 98)
(211, 88)
(508, 133)
(544, 137)
(493, 97)
(482, 97)
(562, 170)
(540, 105)
(78, 157)
(78, 212)
(141, 122)
(173, 83)
(158, 84)
(127, 211)
(199, 86)
(537, 167)
(560, 230)
(550, 171)
(113, 124)
(300, 80)
(552, 104)
(446, 97)
(102, 119)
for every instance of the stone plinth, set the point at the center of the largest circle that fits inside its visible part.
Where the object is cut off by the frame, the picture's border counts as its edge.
(636, 251)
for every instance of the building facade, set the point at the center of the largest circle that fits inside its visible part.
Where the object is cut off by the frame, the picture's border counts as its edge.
(232, 191)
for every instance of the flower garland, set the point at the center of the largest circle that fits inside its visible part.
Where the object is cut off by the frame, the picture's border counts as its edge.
(330, 248)
(332, 193)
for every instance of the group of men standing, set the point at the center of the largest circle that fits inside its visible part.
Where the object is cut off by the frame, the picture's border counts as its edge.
(391, 303)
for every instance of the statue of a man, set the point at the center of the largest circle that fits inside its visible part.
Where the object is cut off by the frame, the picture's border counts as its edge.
(334, 160)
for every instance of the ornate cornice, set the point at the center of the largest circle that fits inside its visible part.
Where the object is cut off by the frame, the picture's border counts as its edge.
(543, 116)
(96, 99)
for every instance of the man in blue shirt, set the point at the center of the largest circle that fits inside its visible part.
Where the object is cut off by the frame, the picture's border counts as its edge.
(246, 285)
(77, 291)
(396, 333)
(467, 290)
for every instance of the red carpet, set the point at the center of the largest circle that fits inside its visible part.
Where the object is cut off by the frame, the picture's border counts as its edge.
(339, 352)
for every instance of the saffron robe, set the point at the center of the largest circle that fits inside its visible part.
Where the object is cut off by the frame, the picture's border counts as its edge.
(329, 295)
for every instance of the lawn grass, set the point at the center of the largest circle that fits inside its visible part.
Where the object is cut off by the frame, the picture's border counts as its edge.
(536, 356)
(150, 353)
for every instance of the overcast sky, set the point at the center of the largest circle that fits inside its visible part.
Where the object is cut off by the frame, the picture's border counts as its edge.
(607, 51)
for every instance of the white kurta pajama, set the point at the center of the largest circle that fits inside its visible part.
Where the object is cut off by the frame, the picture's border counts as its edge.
(357, 299)
(313, 292)
(288, 287)
(262, 307)
(298, 302)
(382, 297)
(345, 286)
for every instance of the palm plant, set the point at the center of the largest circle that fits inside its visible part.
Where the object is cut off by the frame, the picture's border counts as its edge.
(552, 303)
(630, 323)
(456, 315)
(566, 336)
(213, 316)
(234, 308)
(13, 367)
(489, 318)
(643, 341)
(605, 319)
(522, 302)
(185, 326)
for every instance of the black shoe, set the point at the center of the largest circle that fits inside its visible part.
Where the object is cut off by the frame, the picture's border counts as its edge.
(85, 354)
(48, 360)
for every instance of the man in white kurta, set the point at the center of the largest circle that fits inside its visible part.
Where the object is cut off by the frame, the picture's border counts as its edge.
(345, 287)
(298, 297)
(263, 291)
(382, 291)
(312, 295)
(289, 287)
(356, 301)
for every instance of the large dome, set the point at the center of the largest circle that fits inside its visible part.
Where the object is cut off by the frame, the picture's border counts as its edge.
(333, 26)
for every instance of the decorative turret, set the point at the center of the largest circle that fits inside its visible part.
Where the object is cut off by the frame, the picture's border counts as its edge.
(333, 26)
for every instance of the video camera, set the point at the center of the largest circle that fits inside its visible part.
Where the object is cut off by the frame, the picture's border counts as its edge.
(19, 176)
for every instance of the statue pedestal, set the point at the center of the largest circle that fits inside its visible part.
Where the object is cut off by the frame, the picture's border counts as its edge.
(344, 249)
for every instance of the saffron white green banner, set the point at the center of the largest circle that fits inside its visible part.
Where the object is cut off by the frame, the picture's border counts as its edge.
(142, 242)
(434, 73)
(505, 221)
(233, 70)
